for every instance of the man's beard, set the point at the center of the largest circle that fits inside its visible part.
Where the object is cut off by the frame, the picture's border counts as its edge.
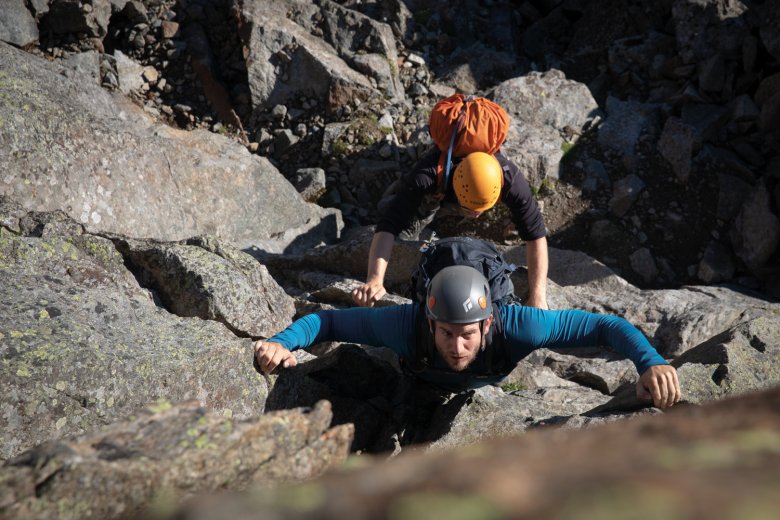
(448, 362)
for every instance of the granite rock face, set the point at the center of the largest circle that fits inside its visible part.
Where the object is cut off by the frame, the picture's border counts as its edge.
(717, 459)
(102, 160)
(83, 344)
(169, 452)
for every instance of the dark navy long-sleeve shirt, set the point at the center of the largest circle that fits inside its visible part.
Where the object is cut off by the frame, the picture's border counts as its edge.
(524, 329)
(421, 181)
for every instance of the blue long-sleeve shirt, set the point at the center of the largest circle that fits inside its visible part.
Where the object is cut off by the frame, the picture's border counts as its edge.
(524, 329)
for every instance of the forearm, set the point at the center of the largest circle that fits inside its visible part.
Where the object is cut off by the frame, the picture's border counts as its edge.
(528, 329)
(379, 256)
(302, 333)
(536, 256)
(620, 335)
(386, 326)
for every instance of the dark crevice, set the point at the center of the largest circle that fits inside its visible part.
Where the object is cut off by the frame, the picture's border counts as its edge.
(720, 374)
(758, 344)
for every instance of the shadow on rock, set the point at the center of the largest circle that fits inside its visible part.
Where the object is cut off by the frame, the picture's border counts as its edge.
(388, 409)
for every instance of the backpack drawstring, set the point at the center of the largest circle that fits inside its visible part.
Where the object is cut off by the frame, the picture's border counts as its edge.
(455, 131)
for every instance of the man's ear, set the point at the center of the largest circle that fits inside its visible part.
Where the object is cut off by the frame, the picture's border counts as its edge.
(430, 325)
(488, 322)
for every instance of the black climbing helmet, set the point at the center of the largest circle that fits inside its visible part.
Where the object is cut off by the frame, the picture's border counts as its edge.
(458, 294)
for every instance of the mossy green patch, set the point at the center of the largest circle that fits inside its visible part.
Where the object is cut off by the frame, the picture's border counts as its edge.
(226, 426)
(162, 405)
(621, 501)
(23, 371)
(737, 450)
(512, 387)
(758, 441)
(301, 499)
(30, 408)
(202, 441)
(355, 462)
(340, 147)
(44, 352)
(443, 505)
(48, 249)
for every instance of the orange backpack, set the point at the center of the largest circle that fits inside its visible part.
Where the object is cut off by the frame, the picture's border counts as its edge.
(460, 125)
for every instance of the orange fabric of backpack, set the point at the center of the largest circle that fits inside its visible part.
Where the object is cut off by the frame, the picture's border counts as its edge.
(481, 126)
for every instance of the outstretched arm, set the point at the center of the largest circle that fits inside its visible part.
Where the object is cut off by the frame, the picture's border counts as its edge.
(391, 327)
(378, 258)
(536, 253)
(528, 329)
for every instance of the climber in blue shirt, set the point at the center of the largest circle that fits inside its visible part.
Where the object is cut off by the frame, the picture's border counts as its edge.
(461, 340)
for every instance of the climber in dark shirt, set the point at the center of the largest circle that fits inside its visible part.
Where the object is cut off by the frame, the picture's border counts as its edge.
(459, 340)
(480, 180)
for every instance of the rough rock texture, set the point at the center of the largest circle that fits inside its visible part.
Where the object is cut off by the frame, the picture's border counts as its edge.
(17, 25)
(70, 16)
(391, 410)
(146, 465)
(491, 412)
(368, 45)
(715, 461)
(594, 368)
(742, 359)
(364, 390)
(209, 279)
(677, 185)
(543, 110)
(81, 344)
(675, 320)
(77, 148)
(285, 61)
(349, 257)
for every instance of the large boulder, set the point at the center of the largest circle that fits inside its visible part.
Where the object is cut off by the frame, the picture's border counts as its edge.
(547, 114)
(713, 461)
(285, 61)
(706, 27)
(72, 16)
(366, 44)
(743, 359)
(350, 258)
(675, 320)
(209, 279)
(17, 24)
(170, 452)
(83, 345)
(73, 146)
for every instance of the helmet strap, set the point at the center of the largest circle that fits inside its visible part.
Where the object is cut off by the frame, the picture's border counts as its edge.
(482, 343)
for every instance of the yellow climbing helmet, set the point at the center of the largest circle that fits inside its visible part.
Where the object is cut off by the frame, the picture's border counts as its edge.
(477, 181)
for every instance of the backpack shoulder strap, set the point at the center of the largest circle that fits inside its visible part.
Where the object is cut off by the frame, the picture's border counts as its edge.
(496, 356)
(424, 347)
